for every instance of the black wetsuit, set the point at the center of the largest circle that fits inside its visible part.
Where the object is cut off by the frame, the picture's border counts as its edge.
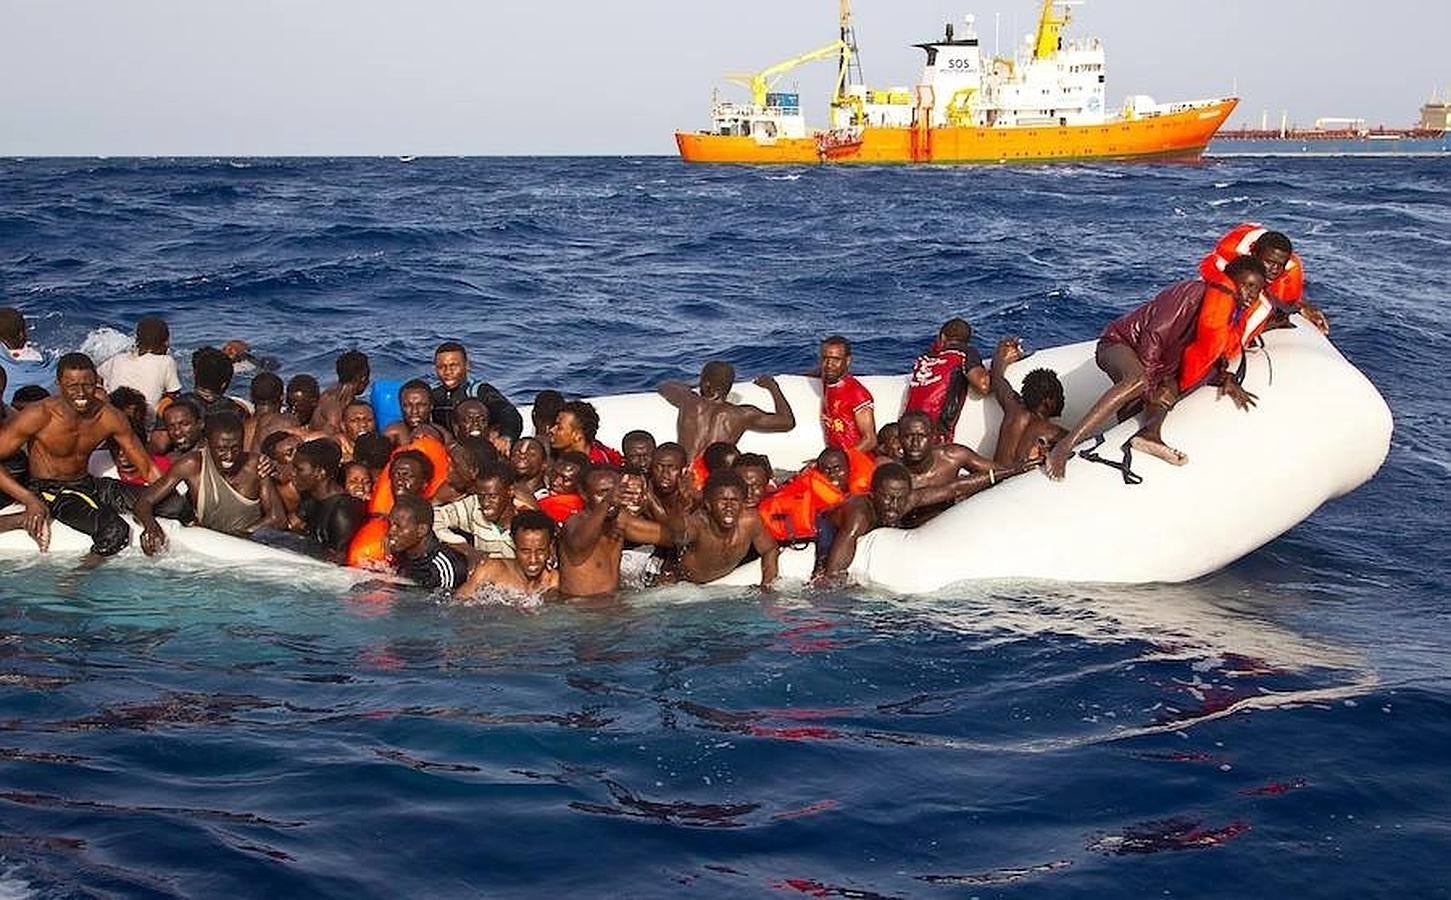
(437, 567)
(503, 415)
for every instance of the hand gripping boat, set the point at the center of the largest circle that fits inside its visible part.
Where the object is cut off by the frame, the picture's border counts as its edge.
(1320, 430)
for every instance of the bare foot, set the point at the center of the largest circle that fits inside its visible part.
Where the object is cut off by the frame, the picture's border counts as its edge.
(1158, 449)
(1057, 461)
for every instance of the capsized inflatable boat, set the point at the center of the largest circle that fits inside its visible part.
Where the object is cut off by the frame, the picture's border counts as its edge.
(1319, 431)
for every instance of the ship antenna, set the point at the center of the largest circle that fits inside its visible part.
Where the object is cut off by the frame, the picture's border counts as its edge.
(849, 71)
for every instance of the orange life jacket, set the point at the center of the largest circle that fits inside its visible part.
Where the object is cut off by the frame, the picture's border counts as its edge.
(700, 472)
(790, 513)
(1285, 292)
(860, 465)
(381, 503)
(369, 547)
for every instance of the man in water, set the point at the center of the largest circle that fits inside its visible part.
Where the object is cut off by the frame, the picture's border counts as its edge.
(724, 533)
(889, 501)
(225, 489)
(638, 448)
(708, 417)
(942, 376)
(484, 514)
(1028, 430)
(1284, 276)
(528, 571)
(328, 516)
(575, 428)
(58, 435)
(668, 496)
(1143, 350)
(470, 419)
(933, 464)
(354, 375)
(22, 362)
(592, 541)
(756, 473)
(415, 552)
(847, 416)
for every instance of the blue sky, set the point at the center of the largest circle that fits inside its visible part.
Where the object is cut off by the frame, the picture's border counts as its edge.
(451, 76)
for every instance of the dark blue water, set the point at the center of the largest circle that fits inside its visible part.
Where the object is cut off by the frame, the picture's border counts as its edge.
(1277, 729)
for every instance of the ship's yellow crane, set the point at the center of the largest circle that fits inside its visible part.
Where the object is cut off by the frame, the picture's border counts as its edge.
(760, 83)
(1050, 26)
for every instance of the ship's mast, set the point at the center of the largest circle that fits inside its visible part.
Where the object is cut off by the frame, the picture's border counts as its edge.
(1050, 29)
(849, 69)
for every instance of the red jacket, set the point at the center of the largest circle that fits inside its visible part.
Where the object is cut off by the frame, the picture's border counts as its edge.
(1160, 330)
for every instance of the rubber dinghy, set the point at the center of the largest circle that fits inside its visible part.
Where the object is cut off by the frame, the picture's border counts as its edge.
(1320, 430)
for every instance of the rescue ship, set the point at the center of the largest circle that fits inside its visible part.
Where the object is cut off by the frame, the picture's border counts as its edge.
(1046, 104)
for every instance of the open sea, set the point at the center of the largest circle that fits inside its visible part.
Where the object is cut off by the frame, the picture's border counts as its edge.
(1279, 729)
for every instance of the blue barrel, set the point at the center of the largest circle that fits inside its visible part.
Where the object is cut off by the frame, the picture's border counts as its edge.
(383, 396)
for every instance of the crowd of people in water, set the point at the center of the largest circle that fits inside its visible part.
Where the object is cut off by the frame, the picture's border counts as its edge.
(452, 491)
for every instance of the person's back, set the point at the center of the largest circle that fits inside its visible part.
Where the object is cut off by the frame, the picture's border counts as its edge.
(148, 368)
(707, 417)
(942, 377)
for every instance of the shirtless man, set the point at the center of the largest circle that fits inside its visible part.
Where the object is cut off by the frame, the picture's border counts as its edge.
(415, 399)
(668, 496)
(223, 484)
(358, 420)
(58, 435)
(721, 536)
(930, 463)
(353, 378)
(1028, 430)
(638, 448)
(707, 417)
(302, 399)
(268, 414)
(756, 473)
(277, 451)
(528, 460)
(592, 541)
(527, 572)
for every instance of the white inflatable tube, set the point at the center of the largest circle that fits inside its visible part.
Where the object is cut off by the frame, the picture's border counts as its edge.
(1319, 431)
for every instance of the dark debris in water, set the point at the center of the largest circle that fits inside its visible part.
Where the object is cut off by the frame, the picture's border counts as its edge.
(695, 815)
(50, 801)
(996, 876)
(812, 888)
(1167, 834)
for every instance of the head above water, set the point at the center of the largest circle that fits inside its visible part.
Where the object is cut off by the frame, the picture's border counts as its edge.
(13, 333)
(267, 390)
(533, 533)
(224, 440)
(315, 462)
(916, 433)
(410, 472)
(638, 448)
(415, 399)
(212, 370)
(833, 464)
(184, 425)
(372, 449)
(891, 493)
(471, 419)
(1273, 248)
(409, 524)
(720, 456)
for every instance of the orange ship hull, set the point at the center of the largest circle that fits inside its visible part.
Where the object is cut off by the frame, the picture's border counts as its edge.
(1178, 135)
